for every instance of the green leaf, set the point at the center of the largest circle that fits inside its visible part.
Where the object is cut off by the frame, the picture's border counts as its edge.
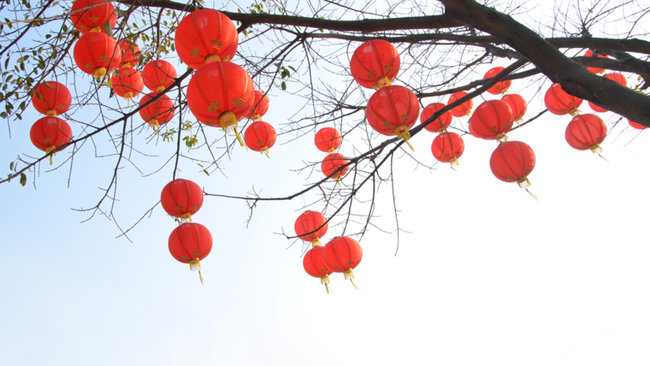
(107, 29)
(283, 86)
(11, 166)
(23, 179)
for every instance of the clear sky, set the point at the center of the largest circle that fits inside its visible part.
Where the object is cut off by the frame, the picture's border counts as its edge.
(485, 274)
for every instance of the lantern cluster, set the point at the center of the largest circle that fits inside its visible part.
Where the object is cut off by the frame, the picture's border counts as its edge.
(156, 108)
(447, 146)
(341, 254)
(51, 133)
(260, 136)
(334, 165)
(190, 242)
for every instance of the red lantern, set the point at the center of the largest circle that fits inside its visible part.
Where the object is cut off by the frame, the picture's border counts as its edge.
(333, 166)
(314, 264)
(586, 131)
(517, 105)
(158, 112)
(127, 82)
(328, 139)
(464, 109)
(158, 75)
(181, 198)
(92, 15)
(491, 120)
(392, 110)
(96, 54)
(500, 87)
(260, 136)
(375, 64)
(439, 124)
(343, 254)
(595, 70)
(260, 105)
(51, 98)
(220, 94)
(447, 147)
(130, 53)
(597, 108)
(513, 161)
(617, 77)
(560, 102)
(205, 36)
(50, 134)
(311, 226)
(190, 243)
(638, 126)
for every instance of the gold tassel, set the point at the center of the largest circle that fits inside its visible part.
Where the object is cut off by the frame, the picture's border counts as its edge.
(402, 132)
(382, 82)
(195, 265)
(348, 275)
(525, 183)
(325, 280)
(49, 150)
(453, 163)
(315, 243)
(596, 149)
(186, 217)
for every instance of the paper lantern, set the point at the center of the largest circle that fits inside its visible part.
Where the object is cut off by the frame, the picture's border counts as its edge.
(260, 105)
(333, 166)
(500, 87)
(130, 53)
(375, 64)
(392, 110)
(597, 108)
(447, 147)
(595, 70)
(638, 126)
(51, 98)
(158, 112)
(315, 265)
(491, 120)
(97, 54)
(586, 131)
(560, 102)
(190, 243)
(439, 124)
(127, 82)
(343, 254)
(464, 109)
(158, 75)
(181, 198)
(92, 15)
(50, 134)
(205, 36)
(260, 136)
(328, 139)
(617, 77)
(517, 105)
(513, 161)
(311, 226)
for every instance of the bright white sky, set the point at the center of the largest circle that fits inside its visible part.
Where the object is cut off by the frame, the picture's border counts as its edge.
(487, 275)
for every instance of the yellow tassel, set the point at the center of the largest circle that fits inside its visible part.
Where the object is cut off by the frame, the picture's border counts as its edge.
(501, 138)
(596, 149)
(49, 150)
(160, 89)
(211, 58)
(99, 72)
(241, 142)
(325, 280)
(315, 243)
(453, 163)
(186, 217)
(195, 265)
(525, 183)
(266, 150)
(574, 112)
(348, 275)
(95, 29)
(338, 180)
(402, 132)
(382, 82)
(51, 113)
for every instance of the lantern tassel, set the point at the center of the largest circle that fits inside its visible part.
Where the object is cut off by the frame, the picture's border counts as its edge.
(325, 280)
(50, 150)
(382, 82)
(241, 142)
(574, 112)
(338, 181)
(348, 275)
(315, 243)
(186, 217)
(525, 183)
(596, 149)
(266, 150)
(453, 163)
(195, 265)
(403, 133)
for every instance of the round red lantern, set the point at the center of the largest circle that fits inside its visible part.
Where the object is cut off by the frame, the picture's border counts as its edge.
(311, 226)
(181, 198)
(51, 98)
(617, 77)
(513, 161)
(597, 108)
(158, 112)
(517, 105)
(260, 136)
(447, 147)
(439, 124)
(190, 243)
(314, 264)
(375, 64)
(260, 105)
(127, 82)
(500, 87)
(97, 54)
(220, 94)
(158, 75)
(491, 120)
(343, 254)
(92, 15)
(638, 126)
(560, 102)
(586, 131)
(595, 70)
(328, 139)
(130, 53)
(205, 36)
(464, 109)
(392, 110)
(50, 134)
(333, 166)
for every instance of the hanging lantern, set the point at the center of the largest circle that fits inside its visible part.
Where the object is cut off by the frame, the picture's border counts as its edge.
(205, 36)
(130, 53)
(597, 108)
(517, 105)
(638, 126)
(439, 124)
(96, 54)
(560, 102)
(260, 105)
(343, 254)
(260, 136)
(375, 64)
(92, 15)
(392, 110)
(328, 139)
(595, 70)
(50, 134)
(586, 131)
(314, 264)
(464, 109)
(51, 98)
(502, 86)
(220, 94)
(127, 82)
(311, 226)
(447, 147)
(158, 112)
(491, 120)
(617, 77)
(513, 161)
(190, 243)
(158, 75)
(333, 166)
(181, 198)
